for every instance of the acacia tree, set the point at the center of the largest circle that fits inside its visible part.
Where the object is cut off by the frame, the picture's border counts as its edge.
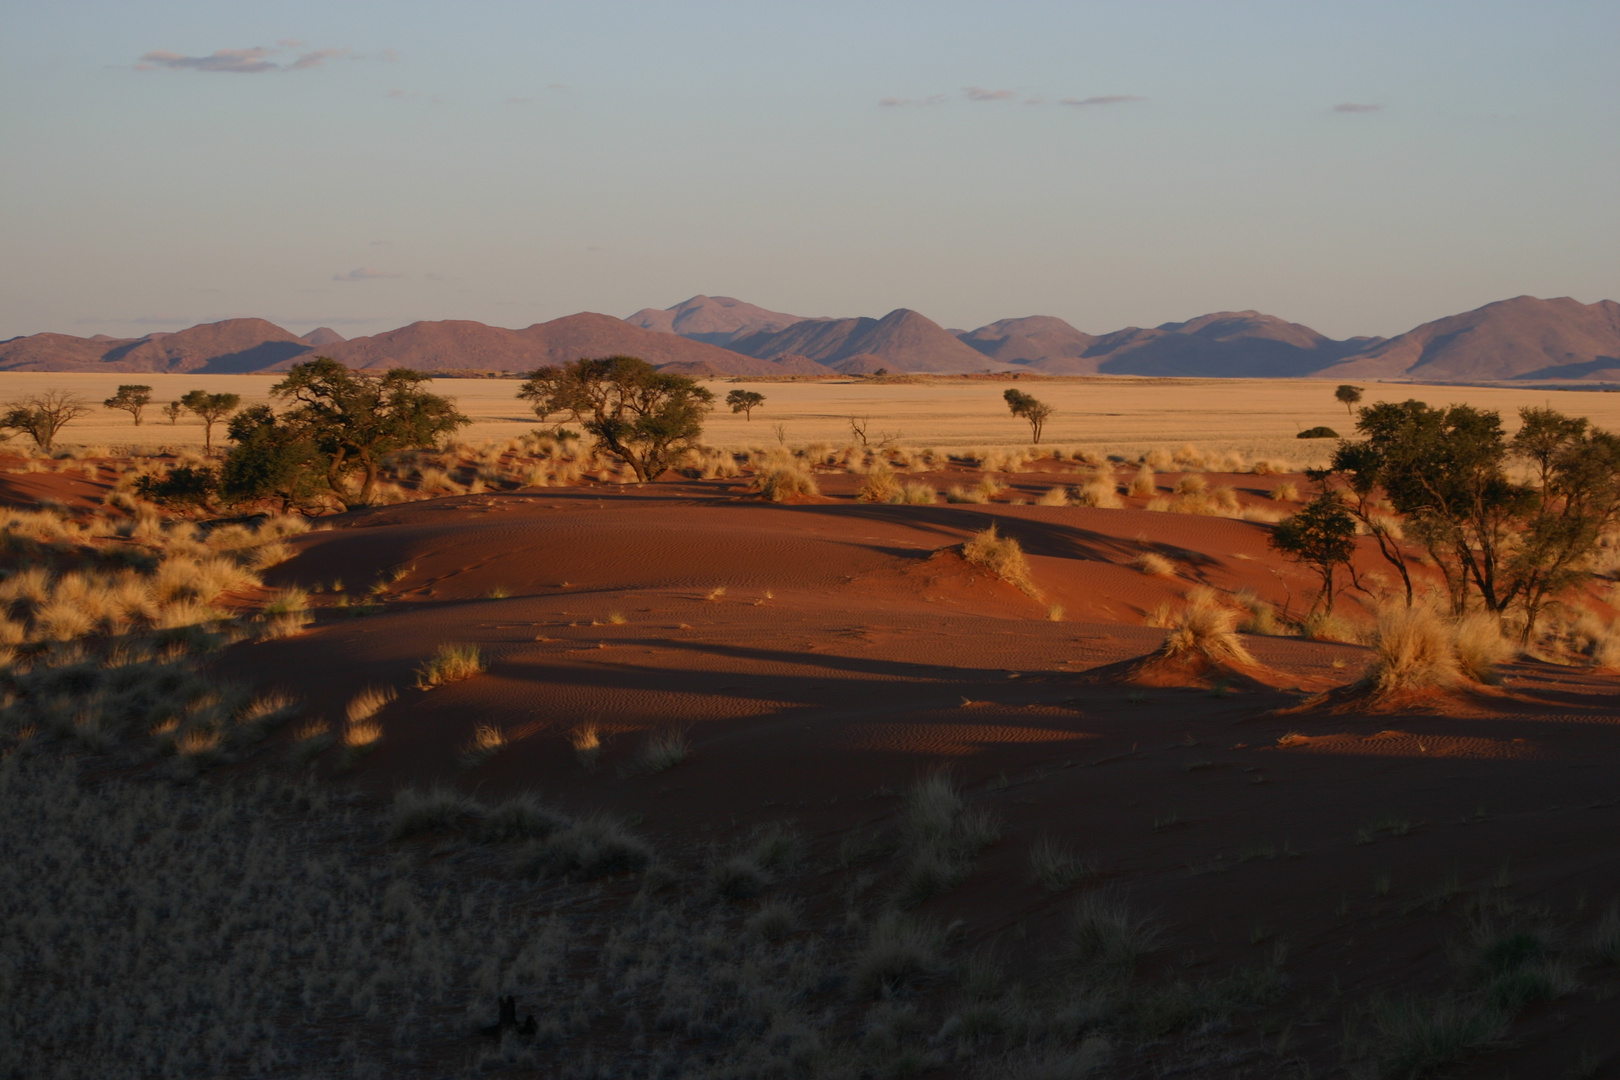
(643, 415)
(1030, 408)
(211, 408)
(1349, 396)
(745, 402)
(1576, 500)
(272, 459)
(353, 420)
(131, 398)
(41, 416)
(173, 410)
(1322, 534)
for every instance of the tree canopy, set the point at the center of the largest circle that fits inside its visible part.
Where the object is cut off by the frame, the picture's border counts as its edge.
(42, 416)
(352, 420)
(1030, 408)
(745, 402)
(643, 415)
(212, 408)
(131, 398)
(1322, 534)
(1349, 396)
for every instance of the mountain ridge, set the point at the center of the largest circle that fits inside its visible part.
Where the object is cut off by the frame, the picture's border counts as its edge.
(1517, 339)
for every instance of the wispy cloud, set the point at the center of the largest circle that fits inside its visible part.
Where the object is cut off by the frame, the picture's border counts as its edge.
(254, 61)
(365, 273)
(1104, 99)
(979, 93)
(1353, 107)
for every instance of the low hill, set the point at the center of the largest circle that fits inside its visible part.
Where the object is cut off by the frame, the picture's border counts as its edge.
(715, 320)
(1522, 338)
(902, 341)
(228, 347)
(463, 345)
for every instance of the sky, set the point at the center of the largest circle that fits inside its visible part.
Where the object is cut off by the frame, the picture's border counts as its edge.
(1360, 167)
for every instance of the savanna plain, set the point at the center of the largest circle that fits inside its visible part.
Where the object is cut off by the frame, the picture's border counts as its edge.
(870, 739)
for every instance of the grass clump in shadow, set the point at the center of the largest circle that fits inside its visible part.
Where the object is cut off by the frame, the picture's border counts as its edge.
(422, 810)
(586, 739)
(1105, 936)
(1054, 866)
(487, 741)
(521, 817)
(899, 952)
(1423, 1036)
(362, 731)
(942, 837)
(662, 750)
(1003, 557)
(591, 847)
(452, 663)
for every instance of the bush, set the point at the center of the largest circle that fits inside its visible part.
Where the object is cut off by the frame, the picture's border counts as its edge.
(779, 485)
(1207, 628)
(1322, 432)
(1002, 556)
(452, 663)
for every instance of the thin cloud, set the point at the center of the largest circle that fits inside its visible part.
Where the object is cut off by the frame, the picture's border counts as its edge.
(1353, 107)
(894, 102)
(1104, 99)
(253, 61)
(365, 273)
(979, 93)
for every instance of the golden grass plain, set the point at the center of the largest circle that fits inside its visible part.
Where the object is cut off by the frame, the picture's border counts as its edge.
(1255, 417)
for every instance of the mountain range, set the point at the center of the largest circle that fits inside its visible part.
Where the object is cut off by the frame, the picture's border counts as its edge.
(1524, 338)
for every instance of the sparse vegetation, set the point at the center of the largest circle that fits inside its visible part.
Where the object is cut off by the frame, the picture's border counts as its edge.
(42, 416)
(1035, 411)
(131, 398)
(1205, 627)
(745, 402)
(1003, 557)
(663, 750)
(452, 663)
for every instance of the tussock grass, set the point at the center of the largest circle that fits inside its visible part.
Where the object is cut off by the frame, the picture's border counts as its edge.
(1478, 642)
(1106, 935)
(452, 663)
(1287, 491)
(1411, 651)
(586, 740)
(918, 493)
(1054, 866)
(1206, 627)
(1417, 1037)
(418, 810)
(899, 952)
(487, 741)
(521, 817)
(1054, 496)
(591, 847)
(1145, 484)
(942, 837)
(663, 750)
(956, 493)
(781, 484)
(1003, 557)
(880, 486)
(1154, 564)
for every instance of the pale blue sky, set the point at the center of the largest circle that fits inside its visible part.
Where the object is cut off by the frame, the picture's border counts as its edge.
(512, 162)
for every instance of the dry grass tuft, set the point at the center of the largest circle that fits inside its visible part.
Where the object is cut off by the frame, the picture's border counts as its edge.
(1154, 565)
(1207, 628)
(781, 484)
(487, 741)
(586, 740)
(1411, 651)
(452, 663)
(880, 486)
(1002, 556)
(1104, 933)
(1054, 866)
(437, 807)
(1144, 485)
(1287, 491)
(663, 750)
(1478, 642)
(1054, 496)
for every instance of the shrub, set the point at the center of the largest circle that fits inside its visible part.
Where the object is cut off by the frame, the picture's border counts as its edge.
(1002, 556)
(779, 485)
(1322, 432)
(880, 486)
(452, 663)
(1208, 628)
(1411, 651)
